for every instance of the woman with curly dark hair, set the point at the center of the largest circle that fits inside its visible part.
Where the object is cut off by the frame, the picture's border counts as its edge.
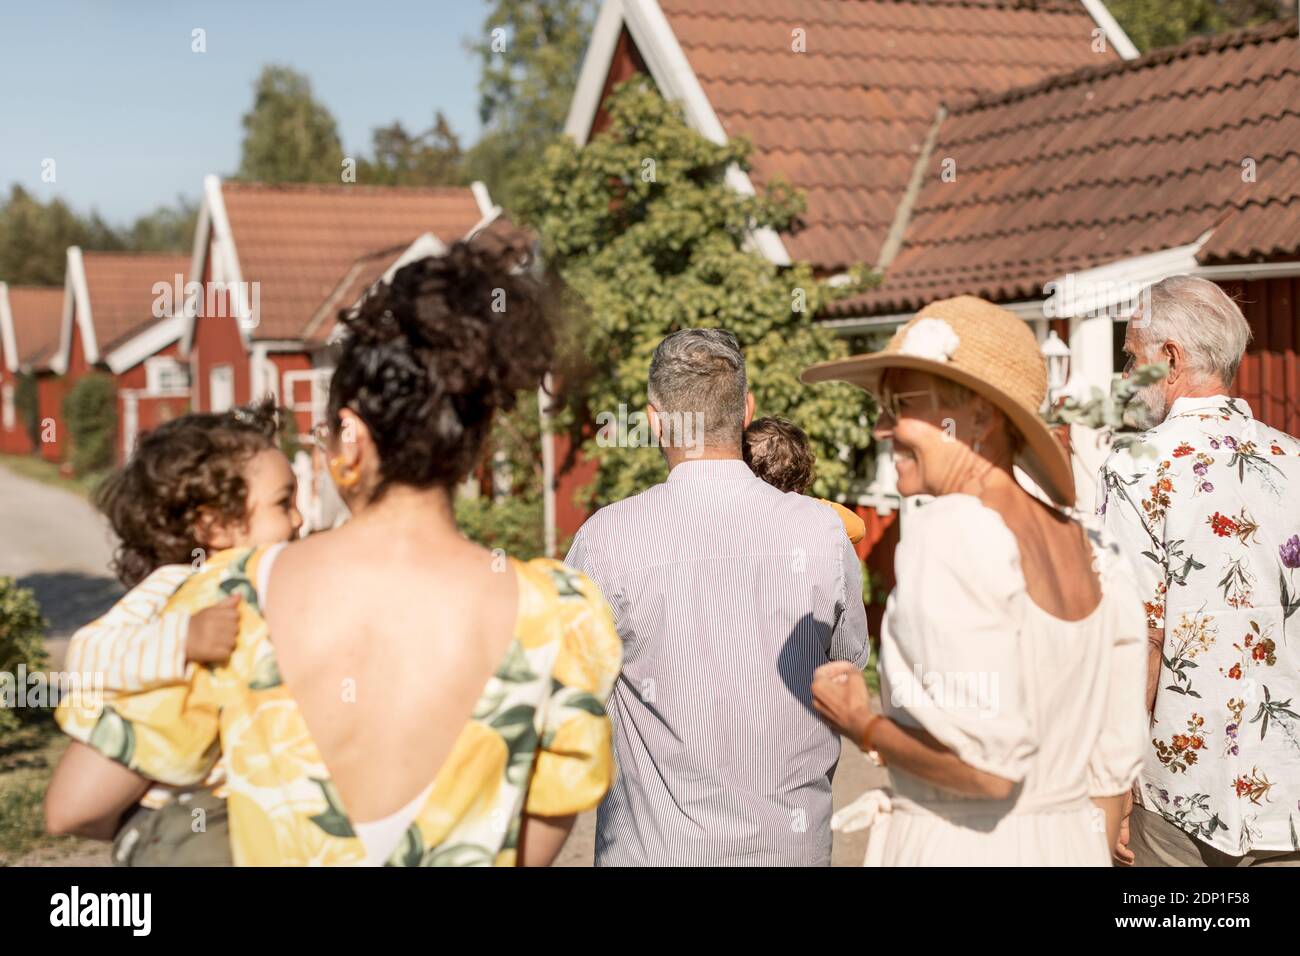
(193, 486)
(399, 694)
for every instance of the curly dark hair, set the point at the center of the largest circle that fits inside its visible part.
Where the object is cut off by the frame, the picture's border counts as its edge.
(778, 451)
(179, 472)
(427, 359)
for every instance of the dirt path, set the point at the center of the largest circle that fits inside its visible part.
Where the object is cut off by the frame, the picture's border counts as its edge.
(57, 544)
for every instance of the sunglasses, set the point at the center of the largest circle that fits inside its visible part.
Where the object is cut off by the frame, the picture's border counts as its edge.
(897, 403)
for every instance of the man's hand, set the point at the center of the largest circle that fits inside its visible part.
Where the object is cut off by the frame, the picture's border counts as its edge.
(1122, 855)
(840, 697)
(212, 632)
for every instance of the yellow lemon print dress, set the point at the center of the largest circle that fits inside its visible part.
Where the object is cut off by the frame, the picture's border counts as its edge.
(538, 740)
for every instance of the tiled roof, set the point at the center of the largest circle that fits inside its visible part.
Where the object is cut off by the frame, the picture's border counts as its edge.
(501, 237)
(844, 121)
(121, 285)
(38, 316)
(298, 240)
(1108, 163)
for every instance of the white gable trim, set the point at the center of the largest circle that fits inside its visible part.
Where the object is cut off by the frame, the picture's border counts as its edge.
(1115, 34)
(7, 337)
(225, 260)
(672, 73)
(76, 305)
(148, 343)
(486, 207)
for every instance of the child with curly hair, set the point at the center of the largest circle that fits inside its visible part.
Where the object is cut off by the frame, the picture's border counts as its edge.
(193, 486)
(778, 451)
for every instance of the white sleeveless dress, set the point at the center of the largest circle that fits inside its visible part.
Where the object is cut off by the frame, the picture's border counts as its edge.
(1051, 704)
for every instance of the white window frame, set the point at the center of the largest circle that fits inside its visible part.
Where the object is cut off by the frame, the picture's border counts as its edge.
(158, 368)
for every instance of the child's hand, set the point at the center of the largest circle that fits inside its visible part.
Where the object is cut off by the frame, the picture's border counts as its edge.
(212, 631)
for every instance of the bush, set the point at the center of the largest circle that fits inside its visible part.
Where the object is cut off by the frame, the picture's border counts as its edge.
(22, 641)
(27, 405)
(90, 411)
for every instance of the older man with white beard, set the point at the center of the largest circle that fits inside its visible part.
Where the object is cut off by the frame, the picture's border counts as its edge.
(1206, 504)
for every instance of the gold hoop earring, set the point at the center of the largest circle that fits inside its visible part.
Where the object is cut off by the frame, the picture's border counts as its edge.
(343, 477)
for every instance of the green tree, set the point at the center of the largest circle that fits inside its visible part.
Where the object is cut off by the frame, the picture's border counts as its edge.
(34, 238)
(1151, 24)
(165, 229)
(90, 410)
(431, 158)
(512, 521)
(22, 641)
(289, 137)
(641, 226)
(530, 52)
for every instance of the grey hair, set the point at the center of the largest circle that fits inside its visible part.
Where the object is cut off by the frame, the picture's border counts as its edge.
(700, 373)
(1200, 317)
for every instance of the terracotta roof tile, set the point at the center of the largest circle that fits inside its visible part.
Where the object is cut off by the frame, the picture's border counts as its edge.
(38, 317)
(863, 96)
(1107, 163)
(297, 241)
(501, 237)
(121, 286)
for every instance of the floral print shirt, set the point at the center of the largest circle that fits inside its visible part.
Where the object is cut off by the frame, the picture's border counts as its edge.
(1207, 508)
(538, 741)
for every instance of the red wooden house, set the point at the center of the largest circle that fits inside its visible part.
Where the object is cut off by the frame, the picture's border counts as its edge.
(30, 318)
(120, 320)
(838, 98)
(269, 259)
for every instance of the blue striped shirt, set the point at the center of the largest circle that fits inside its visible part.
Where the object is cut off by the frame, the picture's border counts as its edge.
(727, 594)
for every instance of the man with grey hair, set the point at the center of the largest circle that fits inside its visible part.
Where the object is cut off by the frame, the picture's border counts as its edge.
(727, 594)
(1206, 504)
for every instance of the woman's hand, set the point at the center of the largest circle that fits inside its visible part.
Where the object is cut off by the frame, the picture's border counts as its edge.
(840, 696)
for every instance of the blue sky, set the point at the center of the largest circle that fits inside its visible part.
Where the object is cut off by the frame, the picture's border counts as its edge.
(112, 92)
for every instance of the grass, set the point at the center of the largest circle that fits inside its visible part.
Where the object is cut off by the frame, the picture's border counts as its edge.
(47, 473)
(27, 758)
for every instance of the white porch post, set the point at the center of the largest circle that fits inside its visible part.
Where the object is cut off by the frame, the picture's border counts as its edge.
(548, 467)
(1091, 359)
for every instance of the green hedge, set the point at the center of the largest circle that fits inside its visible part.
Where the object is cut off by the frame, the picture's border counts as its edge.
(90, 411)
(22, 641)
(27, 404)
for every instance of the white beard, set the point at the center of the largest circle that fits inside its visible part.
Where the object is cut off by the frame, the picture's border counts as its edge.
(1149, 407)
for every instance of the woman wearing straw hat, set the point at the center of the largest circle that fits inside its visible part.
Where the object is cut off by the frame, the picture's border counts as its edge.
(1011, 655)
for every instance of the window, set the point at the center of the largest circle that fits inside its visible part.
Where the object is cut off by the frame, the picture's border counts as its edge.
(165, 375)
(221, 388)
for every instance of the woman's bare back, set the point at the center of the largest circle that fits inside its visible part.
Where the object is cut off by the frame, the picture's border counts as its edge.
(1055, 556)
(386, 636)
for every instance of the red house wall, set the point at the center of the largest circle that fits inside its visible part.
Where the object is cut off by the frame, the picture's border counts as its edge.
(51, 390)
(217, 342)
(16, 440)
(293, 362)
(1269, 377)
(151, 411)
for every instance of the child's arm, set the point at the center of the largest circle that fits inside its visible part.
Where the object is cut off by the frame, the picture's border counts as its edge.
(88, 794)
(136, 647)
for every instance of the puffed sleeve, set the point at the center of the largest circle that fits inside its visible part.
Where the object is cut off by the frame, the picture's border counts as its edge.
(172, 733)
(1117, 755)
(575, 758)
(952, 645)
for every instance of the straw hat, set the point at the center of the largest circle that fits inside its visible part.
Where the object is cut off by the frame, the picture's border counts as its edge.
(990, 351)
